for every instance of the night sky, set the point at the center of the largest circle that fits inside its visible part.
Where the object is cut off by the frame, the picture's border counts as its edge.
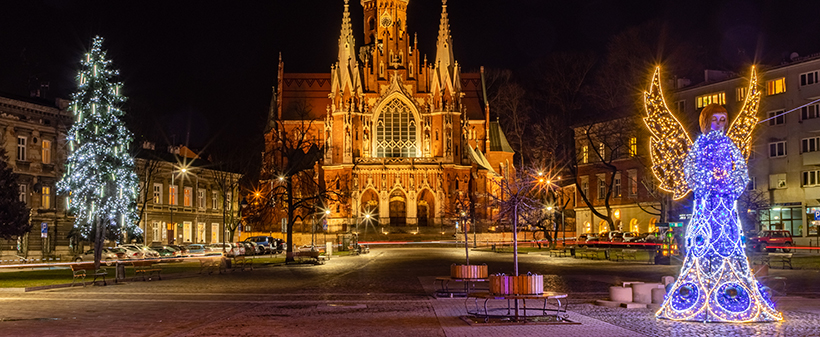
(206, 68)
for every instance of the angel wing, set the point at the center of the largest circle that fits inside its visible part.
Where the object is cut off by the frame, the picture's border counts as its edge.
(740, 132)
(669, 143)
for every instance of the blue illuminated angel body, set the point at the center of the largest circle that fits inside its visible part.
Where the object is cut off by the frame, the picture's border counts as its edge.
(716, 283)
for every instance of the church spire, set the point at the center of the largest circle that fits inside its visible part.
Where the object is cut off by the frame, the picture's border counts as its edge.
(345, 73)
(446, 73)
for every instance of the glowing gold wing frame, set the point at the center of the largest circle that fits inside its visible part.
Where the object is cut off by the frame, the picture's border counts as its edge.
(669, 144)
(740, 132)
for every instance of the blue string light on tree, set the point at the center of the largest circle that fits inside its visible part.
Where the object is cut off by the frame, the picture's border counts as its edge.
(716, 283)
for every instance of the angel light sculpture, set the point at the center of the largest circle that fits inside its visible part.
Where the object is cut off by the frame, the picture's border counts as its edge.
(716, 283)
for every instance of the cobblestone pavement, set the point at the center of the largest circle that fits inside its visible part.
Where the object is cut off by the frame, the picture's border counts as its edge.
(385, 293)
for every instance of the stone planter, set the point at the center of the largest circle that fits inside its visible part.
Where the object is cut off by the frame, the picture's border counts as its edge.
(468, 271)
(517, 285)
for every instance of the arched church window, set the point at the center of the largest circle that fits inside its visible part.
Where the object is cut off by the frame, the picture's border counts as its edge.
(396, 131)
(412, 73)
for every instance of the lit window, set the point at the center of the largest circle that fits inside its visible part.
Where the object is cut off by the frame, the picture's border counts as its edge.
(46, 198)
(633, 146)
(585, 154)
(186, 198)
(46, 152)
(155, 231)
(716, 98)
(602, 150)
(214, 203)
(616, 188)
(601, 187)
(172, 195)
(776, 86)
(200, 232)
(200, 198)
(214, 232)
(741, 93)
(752, 184)
(396, 131)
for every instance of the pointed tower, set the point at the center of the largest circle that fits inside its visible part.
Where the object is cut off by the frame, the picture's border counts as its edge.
(346, 88)
(445, 80)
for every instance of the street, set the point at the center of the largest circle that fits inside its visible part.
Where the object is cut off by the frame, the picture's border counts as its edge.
(384, 293)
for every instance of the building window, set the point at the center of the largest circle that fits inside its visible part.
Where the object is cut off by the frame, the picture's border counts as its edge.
(633, 146)
(777, 149)
(808, 78)
(46, 197)
(200, 232)
(740, 93)
(157, 194)
(752, 184)
(21, 148)
(680, 106)
(228, 201)
(214, 202)
(46, 152)
(633, 182)
(602, 150)
(214, 232)
(187, 231)
(716, 98)
(601, 187)
(155, 232)
(776, 86)
(187, 195)
(585, 154)
(810, 112)
(585, 186)
(810, 178)
(172, 195)
(200, 198)
(21, 193)
(810, 145)
(777, 181)
(396, 131)
(780, 119)
(616, 188)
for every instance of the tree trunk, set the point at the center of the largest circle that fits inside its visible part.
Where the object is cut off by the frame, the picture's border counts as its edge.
(291, 211)
(98, 241)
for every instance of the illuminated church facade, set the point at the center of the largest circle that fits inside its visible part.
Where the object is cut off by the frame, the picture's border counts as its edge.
(408, 137)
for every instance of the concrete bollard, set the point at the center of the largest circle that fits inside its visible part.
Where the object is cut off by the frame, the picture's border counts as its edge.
(620, 294)
(658, 295)
(642, 292)
(666, 280)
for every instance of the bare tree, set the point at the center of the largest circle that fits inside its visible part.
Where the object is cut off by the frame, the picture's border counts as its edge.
(605, 142)
(147, 169)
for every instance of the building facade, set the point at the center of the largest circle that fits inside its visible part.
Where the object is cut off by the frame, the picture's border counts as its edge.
(406, 136)
(33, 137)
(612, 170)
(184, 200)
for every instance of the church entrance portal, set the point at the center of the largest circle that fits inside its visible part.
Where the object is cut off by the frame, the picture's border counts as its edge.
(398, 209)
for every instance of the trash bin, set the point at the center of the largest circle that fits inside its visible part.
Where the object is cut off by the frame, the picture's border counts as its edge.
(227, 262)
(606, 254)
(120, 274)
(572, 251)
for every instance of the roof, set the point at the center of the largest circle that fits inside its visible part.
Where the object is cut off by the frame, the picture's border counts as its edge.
(498, 141)
(477, 157)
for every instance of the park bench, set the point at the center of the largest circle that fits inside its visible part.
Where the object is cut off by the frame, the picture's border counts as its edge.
(782, 258)
(146, 268)
(241, 263)
(592, 253)
(210, 264)
(312, 256)
(81, 270)
(625, 254)
(468, 285)
(559, 252)
(516, 313)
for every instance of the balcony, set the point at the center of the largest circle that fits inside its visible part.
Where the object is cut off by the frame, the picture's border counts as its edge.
(811, 158)
(811, 192)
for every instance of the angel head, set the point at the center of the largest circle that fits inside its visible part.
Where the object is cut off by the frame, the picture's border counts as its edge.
(713, 117)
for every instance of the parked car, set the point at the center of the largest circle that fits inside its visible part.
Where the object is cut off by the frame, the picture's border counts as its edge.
(251, 248)
(109, 256)
(197, 249)
(167, 250)
(132, 253)
(592, 239)
(147, 253)
(281, 246)
(229, 249)
(630, 236)
(268, 242)
(764, 239)
(615, 236)
(581, 238)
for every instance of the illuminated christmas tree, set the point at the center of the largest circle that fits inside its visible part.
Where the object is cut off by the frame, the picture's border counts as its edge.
(716, 283)
(99, 179)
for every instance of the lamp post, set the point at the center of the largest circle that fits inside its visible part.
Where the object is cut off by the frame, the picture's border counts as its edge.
(173, 200)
